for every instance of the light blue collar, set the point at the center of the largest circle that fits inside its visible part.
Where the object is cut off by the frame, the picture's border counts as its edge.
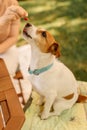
(39, 71)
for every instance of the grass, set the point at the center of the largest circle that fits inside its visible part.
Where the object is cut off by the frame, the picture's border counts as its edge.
(67, 21)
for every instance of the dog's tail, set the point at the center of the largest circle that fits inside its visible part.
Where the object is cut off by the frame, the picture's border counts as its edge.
(81, 98)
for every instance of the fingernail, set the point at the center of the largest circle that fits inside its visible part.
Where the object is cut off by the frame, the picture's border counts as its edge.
(26, 14)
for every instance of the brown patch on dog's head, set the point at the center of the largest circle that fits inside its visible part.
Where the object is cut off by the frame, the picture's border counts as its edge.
(42, 39)
(47, 43)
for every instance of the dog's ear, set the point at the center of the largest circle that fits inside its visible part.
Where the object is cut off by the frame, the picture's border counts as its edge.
(54, 49)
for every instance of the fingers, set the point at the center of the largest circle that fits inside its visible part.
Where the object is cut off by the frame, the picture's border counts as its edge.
(22, 12)
(18, 10)
(15, 12)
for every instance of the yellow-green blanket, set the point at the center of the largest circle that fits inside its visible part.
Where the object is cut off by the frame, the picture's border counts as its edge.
(72, 119)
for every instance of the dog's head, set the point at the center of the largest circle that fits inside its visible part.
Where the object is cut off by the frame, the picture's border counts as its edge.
(42, 38)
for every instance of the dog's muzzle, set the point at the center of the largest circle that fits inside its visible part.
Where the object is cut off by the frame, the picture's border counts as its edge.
(28, 25)
(26, 33)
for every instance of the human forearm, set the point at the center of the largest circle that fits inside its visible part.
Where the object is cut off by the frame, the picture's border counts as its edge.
(9, 26)
(4, 46)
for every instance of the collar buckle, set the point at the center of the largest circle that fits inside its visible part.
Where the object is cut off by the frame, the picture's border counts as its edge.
(36, 72)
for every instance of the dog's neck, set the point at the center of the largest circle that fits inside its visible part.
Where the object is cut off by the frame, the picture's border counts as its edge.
(39, 59)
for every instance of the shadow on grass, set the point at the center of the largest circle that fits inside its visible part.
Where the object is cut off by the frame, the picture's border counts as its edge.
(67, 21)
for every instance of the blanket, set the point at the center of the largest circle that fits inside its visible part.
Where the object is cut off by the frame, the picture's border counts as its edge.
(71, 119)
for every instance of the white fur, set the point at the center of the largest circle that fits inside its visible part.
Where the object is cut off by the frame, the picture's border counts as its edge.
(53, 84)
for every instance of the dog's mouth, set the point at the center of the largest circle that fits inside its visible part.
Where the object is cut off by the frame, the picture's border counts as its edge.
(25, 33)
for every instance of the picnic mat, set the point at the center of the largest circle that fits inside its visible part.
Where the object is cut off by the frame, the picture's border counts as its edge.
(72, 119)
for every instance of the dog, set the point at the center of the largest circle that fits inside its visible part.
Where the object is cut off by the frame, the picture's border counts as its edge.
(49, 76)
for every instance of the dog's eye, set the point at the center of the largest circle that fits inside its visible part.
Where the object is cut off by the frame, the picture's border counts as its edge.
(44, 34)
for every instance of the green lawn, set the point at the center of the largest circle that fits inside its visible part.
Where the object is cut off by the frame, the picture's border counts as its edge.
(67, 21)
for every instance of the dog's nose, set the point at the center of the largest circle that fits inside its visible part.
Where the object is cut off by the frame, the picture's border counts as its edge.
(28, 25)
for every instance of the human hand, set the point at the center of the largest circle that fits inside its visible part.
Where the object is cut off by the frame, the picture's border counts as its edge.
(14, 13)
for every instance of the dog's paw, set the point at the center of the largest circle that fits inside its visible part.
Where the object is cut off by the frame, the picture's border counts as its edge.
(40, 102)
(44, 116)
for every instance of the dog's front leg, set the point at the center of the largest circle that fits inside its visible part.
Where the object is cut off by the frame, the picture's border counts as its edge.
(47, 106)
(40, 101)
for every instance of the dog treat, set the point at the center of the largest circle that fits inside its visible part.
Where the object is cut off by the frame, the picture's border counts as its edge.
(26, 18)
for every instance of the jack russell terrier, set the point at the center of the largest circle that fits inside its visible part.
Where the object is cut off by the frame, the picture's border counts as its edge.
(49, 77)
